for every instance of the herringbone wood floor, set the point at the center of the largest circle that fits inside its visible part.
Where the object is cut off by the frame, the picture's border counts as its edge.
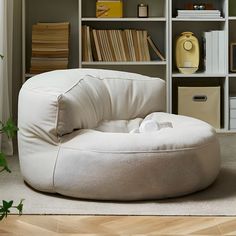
(117, 225)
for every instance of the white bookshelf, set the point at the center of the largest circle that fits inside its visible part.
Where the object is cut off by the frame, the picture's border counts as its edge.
(163, 26)
(200, 78)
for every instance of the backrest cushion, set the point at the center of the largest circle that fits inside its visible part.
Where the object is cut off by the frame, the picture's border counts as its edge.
(93, 99)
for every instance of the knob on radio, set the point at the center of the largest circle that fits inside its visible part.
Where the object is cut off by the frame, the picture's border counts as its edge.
(188, 45)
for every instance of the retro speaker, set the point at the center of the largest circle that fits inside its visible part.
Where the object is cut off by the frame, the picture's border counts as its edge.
(187, 53)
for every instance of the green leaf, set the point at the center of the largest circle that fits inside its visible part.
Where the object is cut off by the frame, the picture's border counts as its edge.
(3, 163)
(1, 56)
(9, 128)
(20, 207)
(7, 205)
(6, 208)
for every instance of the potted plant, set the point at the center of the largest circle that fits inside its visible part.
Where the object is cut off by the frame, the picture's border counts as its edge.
(10, 130)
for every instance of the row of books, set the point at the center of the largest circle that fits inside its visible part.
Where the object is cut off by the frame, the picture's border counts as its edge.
(199, 14)
(214, 51)
(50, 47)
(117, 45)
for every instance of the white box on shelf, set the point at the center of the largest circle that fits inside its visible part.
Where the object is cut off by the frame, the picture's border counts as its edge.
(208, 51)
(222, 56)
(215, 51)
(233, 113)
(232, 124)
(232, 102)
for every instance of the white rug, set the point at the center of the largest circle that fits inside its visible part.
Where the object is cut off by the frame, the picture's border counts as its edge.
(219, 199)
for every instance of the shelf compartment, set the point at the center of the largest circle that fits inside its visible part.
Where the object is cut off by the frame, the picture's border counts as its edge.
(41, 11)
(232, 39)
(232, 109)
(157, 8)
(160, 38)
(217, 4)
(198, 29)
(198, 82)
(232, 86)
(232, 9)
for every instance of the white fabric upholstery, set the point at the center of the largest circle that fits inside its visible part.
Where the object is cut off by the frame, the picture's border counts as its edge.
(75, 138)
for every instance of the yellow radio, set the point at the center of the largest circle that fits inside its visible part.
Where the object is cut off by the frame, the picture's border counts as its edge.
(109, 9)
(187, 53)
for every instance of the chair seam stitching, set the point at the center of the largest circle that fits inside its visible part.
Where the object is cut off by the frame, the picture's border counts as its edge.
(54, 168)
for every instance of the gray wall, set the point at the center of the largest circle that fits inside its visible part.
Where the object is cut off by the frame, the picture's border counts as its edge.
(17, 49)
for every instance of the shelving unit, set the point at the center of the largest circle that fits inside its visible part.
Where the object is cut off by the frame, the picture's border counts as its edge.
(164, 28)
(200, 78)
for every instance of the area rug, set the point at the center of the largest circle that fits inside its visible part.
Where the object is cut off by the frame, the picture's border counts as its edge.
(218, 199)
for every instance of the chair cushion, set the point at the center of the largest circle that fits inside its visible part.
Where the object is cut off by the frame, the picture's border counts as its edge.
(114, 136)
(123, 166)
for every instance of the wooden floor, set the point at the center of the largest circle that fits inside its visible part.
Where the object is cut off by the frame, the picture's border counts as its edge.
(117, 225)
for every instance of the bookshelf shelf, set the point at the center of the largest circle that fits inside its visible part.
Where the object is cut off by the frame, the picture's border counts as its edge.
(198, 74)
(232, 17)
(124, 19)
(131, 63)
(199, 19)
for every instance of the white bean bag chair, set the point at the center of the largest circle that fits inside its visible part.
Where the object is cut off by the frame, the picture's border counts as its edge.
(80, 135)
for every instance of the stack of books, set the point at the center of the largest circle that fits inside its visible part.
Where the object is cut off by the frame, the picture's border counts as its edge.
(214, 43)
(213, 14)
(117, 45)
(50, 47)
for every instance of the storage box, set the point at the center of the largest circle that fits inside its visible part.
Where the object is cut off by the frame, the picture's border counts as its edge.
(232, 113)
(200, 102)
(109, 9)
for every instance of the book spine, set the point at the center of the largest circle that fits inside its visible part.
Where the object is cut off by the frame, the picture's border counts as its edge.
(155, 48)
(145, 44)
(97, 47)
(115, 45)
(208, 36)
(215, 51)
(222, 56)
(122, 49)
(132, 45)
(90, 56)
(126, 47)
(117, 41)
(129, 44)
